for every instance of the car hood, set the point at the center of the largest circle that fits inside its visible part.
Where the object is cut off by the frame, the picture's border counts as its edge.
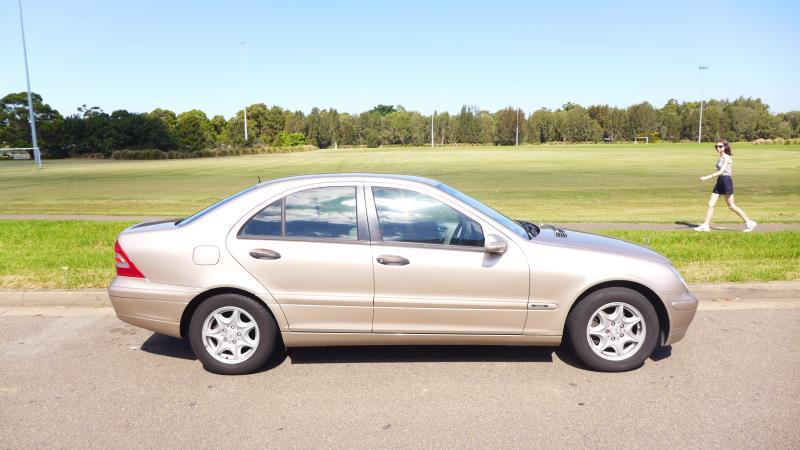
(596, 243)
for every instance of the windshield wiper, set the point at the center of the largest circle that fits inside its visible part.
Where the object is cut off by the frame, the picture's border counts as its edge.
(529, 227)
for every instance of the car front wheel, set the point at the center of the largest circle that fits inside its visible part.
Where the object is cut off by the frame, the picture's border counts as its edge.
(232, 334)
(613, 329)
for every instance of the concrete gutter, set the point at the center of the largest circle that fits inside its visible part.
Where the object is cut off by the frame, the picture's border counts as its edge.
(54, 297)
(712, 295)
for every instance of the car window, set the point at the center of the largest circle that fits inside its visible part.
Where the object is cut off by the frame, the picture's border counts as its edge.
(408, 216)
(267, 223)
(327, 212)
(505, 221)
(208, 209)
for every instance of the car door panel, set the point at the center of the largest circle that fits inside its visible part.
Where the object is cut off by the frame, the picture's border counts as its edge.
(322, 284)
(446, 288)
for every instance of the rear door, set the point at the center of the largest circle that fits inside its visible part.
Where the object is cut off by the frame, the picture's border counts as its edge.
(311, 250)
(431, 272)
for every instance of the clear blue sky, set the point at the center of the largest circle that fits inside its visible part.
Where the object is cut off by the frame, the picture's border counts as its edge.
(425, 55)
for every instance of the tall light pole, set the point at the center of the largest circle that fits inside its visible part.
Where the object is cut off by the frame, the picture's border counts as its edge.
(700, 128)
(516, 139)
(244, 96)
(432, 116)
(32, 117)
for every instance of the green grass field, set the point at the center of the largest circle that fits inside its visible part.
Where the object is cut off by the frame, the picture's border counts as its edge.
(552, 183)
(78, 254)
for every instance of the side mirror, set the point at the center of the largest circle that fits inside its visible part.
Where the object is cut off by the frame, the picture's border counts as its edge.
(494, 244)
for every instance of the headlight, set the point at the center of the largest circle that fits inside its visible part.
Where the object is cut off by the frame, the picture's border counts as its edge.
(678, 274)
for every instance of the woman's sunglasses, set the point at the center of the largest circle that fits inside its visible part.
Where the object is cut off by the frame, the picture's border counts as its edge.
(719, 146)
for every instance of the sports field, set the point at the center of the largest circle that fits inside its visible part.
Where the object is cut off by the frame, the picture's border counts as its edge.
(550, 183)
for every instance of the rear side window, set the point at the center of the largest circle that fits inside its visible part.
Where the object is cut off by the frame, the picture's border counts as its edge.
(323, 213)
(266, 223)
(328, 212)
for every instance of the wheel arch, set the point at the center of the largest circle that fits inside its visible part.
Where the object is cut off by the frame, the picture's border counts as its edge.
(649, 294)
(200, 298)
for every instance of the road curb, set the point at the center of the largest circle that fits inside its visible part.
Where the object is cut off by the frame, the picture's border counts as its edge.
(55, 297)
(705, 292)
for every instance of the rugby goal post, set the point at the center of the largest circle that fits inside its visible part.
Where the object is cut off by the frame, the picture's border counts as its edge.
(646, 139)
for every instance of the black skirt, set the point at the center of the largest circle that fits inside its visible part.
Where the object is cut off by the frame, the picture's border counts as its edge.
(724, 185)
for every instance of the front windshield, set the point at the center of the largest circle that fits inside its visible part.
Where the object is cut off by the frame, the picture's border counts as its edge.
(496, 216)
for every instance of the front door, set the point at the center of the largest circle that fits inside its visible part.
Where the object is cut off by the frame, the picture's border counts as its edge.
(431, 273)
(309, 251)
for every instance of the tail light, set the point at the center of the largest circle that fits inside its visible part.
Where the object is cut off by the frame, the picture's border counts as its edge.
(125, 267)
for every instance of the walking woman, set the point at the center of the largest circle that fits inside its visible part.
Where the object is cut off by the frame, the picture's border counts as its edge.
(724, 187)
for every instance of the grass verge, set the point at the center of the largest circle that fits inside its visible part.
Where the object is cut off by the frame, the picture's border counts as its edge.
(37, 254)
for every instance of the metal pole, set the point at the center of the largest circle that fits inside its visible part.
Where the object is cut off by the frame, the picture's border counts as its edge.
(432, 115)
(516, 138)
(700, 128)
(244, 96)
(36, 155)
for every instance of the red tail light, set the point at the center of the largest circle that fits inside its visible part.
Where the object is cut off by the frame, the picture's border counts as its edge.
(125, 267)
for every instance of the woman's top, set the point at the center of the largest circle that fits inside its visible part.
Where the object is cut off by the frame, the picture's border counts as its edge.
(725, 161)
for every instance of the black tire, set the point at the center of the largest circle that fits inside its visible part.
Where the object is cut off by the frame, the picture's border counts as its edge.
(267, 334)
(581, 314)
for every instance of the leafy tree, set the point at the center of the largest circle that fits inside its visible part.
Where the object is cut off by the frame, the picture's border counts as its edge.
(290, 139)
(467, 126)
(384, 110)
(506, 121)
(542, 126)
(220, 127)
(487, 127)
(643, 119)
(577, 126)
(167, 117)
(15, 128)
(194, 130)
(670, 119)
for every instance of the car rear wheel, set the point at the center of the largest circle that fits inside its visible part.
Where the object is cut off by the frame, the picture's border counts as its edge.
(232, 334)
(613, 329)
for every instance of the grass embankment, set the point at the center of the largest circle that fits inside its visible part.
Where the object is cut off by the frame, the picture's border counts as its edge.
(550, 183)
(75, 254)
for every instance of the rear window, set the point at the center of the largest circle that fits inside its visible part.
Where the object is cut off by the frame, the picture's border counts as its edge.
(208, 209)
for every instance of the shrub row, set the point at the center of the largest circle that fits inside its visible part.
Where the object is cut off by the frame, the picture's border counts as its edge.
(781, 141)
(208, 153)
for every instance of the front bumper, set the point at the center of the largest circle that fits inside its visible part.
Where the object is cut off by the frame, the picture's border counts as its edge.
(681, 308)
(151, 306)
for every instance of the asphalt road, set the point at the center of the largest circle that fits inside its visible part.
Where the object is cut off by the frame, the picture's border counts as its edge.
(81, 378)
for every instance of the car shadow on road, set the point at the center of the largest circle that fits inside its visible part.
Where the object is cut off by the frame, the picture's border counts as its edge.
(159, 344)
(421, 353)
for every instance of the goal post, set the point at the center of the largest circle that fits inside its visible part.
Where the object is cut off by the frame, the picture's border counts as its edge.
(646, 139)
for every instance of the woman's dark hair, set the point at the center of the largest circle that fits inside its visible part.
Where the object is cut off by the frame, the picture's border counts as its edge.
(727, 146)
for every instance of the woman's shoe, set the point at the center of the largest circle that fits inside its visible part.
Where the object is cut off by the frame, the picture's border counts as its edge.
(750, 225)
(702, 228)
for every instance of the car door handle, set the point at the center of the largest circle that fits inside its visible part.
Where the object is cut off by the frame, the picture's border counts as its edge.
(392, 260)
(261, 253)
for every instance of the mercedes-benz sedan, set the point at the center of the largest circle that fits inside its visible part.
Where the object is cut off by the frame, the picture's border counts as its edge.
(365, 259)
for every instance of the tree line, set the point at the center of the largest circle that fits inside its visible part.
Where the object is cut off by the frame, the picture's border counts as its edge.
(92, 131)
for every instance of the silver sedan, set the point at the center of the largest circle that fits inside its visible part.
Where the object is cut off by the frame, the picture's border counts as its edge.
(366, 259)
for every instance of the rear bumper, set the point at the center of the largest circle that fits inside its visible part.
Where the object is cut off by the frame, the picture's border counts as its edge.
(681, 308)
(151, 306)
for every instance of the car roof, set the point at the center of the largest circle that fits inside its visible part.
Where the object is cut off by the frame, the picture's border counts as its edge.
(359, 176)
